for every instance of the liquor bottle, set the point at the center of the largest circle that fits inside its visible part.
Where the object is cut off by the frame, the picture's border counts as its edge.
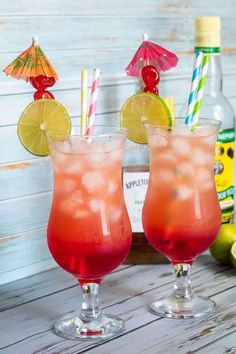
(135, 181)
(216, 106)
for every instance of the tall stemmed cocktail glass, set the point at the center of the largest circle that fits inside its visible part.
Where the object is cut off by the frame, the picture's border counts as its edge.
(181, 213)
(89, 233)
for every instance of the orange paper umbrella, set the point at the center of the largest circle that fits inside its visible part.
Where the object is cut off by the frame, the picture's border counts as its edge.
(31, 63)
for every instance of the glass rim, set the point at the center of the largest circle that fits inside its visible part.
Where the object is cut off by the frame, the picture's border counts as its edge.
(208, 123)
(112, 131)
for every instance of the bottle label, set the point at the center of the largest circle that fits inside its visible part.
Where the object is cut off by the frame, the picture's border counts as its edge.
(224, 173)
(135, 188)
(208, 50)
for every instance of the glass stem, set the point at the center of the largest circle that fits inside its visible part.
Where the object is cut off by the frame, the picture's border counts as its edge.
(90, 308)
(182, 286)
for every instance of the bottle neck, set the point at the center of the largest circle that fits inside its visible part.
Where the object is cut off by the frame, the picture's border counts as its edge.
(214, 80)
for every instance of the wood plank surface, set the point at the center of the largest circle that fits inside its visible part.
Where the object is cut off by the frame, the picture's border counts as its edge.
(226, 345)
(122, 7)
(24, 254)
(35, 303)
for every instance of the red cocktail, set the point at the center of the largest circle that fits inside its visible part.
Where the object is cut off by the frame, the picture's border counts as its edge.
(181, 214)
(89, 232)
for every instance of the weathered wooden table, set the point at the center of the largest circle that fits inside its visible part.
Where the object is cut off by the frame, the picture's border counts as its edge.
(29, 308)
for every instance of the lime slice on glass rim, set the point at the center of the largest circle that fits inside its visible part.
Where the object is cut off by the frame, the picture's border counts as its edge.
(140, 108)
(39, 120)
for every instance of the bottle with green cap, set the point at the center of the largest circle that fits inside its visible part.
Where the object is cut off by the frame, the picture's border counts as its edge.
(215, 105)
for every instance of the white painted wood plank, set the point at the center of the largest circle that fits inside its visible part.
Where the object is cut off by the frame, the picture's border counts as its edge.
(23, 255)
(23, 214)
(111, 95)
(175, 336)
(130, 290)
(42, 265)
(24, 178)
(97, 32)
(35, 287)
(108, 31)
(124, 8)
(225, 345)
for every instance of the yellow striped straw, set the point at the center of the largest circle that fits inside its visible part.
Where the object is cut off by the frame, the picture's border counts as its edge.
(84, 89)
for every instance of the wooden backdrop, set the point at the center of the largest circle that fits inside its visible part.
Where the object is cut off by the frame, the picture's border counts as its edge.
(79, 34)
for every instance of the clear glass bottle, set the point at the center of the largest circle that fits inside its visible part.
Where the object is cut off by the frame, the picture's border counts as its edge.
(215, 105)
(135, 181)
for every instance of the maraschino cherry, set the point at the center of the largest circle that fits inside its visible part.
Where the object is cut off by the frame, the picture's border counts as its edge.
(151, 79)
(40, 83)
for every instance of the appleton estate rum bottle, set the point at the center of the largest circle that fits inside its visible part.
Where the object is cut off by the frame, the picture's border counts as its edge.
(135, 181)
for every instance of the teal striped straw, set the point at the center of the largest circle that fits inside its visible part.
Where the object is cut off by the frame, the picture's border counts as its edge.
(194, 86)
(200, 90)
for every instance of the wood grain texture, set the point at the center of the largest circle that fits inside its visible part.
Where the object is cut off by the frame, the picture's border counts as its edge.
(227, 344)
(131, 8)
(125, 293)
(74, 35)
(22, 254)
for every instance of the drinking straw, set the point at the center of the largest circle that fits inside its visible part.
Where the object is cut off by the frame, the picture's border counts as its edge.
(84, 88)
(200, 89)
(93, 100)
(194, 85)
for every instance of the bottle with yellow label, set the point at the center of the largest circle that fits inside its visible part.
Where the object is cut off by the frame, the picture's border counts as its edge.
(215, 105)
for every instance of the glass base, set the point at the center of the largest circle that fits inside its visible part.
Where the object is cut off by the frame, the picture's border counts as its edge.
(74, 327)
(181, 307)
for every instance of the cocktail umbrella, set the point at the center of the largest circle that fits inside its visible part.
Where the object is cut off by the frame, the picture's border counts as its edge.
(30, 64)
(151, 54)
(45, 117)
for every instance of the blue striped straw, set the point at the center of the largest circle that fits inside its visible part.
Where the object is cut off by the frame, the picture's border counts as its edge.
(200, 90)
(194, 87)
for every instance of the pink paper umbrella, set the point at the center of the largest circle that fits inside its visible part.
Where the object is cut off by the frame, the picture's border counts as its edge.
(151, 54)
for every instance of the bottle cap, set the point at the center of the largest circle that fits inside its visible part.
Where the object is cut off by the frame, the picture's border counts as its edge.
(207, 34)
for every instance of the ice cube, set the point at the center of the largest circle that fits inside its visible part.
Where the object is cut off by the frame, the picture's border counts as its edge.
(166, 157)
(81, 214)
(95, 205)
(185, 169)
(61, 146)
(112, 145)
(74, 164)
(112, 187)
(116, 155)
(183, 192)
(200, 157)
(59, 160)
(163, 176)
(157, 141)
(77, 197)
(96, 159)
(180, 147)
(93, 181)
(115, 213)
(68, 185)
(204, 179)
(68, 206)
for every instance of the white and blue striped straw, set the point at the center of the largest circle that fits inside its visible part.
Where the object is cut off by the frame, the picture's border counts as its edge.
(200, 90)
(194, 87)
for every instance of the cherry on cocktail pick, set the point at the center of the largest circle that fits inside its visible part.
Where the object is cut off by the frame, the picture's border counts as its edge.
(40, 83)
(39, 94)
(151, 79)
